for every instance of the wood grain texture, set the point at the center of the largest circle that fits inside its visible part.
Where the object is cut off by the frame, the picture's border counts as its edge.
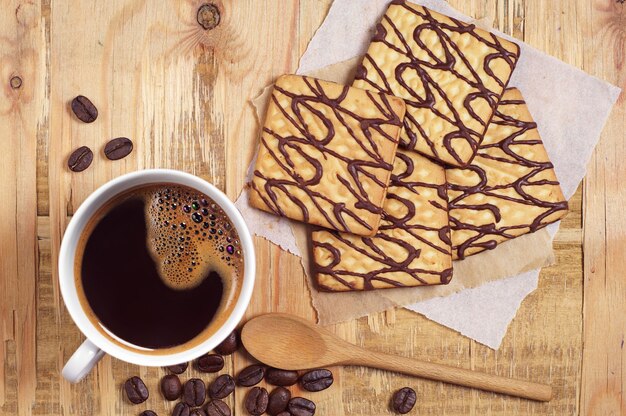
(23, 119)
(604, 306)
(182, 94)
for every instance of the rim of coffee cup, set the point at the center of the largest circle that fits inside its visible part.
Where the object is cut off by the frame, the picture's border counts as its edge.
(73, 233)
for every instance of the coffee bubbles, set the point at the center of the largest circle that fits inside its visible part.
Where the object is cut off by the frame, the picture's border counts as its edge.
(190, 235)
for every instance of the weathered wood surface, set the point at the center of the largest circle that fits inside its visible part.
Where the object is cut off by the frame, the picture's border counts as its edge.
(182, 95)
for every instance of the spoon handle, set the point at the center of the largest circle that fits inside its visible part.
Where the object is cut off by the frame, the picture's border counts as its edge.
(454, 375)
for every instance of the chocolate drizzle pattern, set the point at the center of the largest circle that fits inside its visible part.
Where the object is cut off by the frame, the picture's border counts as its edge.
(510, 187)
(412, 246)
(326, 154)
(451, 75)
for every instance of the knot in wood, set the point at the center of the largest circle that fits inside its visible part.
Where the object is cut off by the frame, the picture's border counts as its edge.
(208, 16)
(16, 82)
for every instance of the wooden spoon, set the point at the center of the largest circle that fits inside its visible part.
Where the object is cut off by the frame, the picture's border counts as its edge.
(292, 343)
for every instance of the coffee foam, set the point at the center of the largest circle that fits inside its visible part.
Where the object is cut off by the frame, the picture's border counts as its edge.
(189, 236)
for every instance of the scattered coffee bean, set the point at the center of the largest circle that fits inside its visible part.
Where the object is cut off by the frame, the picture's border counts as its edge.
(197, 412)
(84, 109)
(178, 368)
(281, 377)
(229, 345)
(403, 400)
(210, 363)
(278, 400)
(221, 387)
(118, 148)
(194, 392)
(80, 159)
(171, 387)
(316, 380)
(148, 413)
(217, 407)
(256, 401)
(251, 375)
(136, 390)
(181, 409)
(299, 406)
(284, 414)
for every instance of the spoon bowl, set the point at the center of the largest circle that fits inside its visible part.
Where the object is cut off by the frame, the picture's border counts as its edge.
(292, 343)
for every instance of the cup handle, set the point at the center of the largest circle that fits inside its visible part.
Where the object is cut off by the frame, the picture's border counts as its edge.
(82, 361)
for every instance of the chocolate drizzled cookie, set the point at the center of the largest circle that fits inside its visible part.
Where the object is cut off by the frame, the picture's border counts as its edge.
(326, 154)
(451, 75)
(510, 187)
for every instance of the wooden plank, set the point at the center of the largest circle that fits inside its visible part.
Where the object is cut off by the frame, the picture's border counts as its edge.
(280, 285)
(182, 95)
(604, 355)
(146, 67)
(23, 121)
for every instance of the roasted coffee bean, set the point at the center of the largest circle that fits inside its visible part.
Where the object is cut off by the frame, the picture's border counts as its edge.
(181, 409)
(178, 368)
(136, 390)
(229, 345)
(278, 400)
(197, 412)
(118, 148)
(148, 413)
(80, 159)
(403, 400)
(251, 375)
(281, 377)
(256, 401)
(84, 109)
(171, 387)
(316, 380)
(221, 387)
(210, 363)
(284, 414)
(299, 406)
(216, 407)
(194, 392)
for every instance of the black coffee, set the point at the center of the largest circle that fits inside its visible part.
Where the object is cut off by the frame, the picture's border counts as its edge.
(158, 265)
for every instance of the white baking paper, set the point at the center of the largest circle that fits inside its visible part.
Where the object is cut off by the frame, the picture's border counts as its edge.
(569, 106)
(465, 311)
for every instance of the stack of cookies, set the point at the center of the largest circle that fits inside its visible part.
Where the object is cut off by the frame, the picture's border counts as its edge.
(427, 158)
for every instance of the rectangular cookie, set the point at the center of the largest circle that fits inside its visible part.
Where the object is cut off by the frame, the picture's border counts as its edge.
(412, 246)
(451, 75)
(326, 154)
(510, 187)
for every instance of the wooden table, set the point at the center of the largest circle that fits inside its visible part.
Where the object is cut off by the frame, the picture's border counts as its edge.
(182, 94)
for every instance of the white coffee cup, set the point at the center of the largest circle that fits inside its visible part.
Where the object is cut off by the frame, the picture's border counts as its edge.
(97, 344)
